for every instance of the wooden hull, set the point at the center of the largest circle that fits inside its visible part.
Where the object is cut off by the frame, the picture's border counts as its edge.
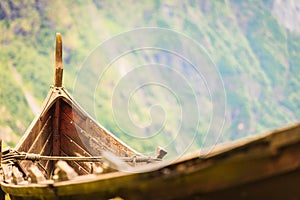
(64, 129)
(263, 167)
(285, 186)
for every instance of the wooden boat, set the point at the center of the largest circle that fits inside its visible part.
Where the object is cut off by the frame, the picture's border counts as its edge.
(65, 154)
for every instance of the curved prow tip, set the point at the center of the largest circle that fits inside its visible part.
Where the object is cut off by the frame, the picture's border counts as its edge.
(58, 62)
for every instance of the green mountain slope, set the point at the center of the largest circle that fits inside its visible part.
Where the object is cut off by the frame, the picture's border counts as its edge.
(257, 55)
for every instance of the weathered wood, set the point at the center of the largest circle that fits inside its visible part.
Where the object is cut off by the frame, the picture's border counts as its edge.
(42, 136)
(34, 130)
(74, 114)
(47, 150)
(36, 175)
(102, 137)
(64, 172)
(90, 141)
(249, 170)
(80, 167)
(58, 62)
(109, 141)
(75, 129)
(56, 129)
(73, 149)
(17, 176)
(161, 152)
(68, 127)
(7, 173)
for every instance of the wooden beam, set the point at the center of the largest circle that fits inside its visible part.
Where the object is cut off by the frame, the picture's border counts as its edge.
(17, 176)
(36, 175)
(64, 172)
(58, 62)
(56, 129)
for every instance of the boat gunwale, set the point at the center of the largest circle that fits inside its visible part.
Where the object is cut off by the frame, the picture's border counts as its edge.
(218, 151)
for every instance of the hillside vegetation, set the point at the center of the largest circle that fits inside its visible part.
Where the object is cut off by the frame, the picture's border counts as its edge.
(253, 46)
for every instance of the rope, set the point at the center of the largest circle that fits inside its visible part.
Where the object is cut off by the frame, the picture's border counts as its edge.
(14, 156)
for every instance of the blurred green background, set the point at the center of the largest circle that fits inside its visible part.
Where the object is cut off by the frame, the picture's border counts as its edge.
(255, 45)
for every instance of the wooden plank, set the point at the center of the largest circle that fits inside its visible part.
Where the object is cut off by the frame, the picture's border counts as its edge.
(49, 166)
(71, 148)
(56, 129)
(17, 176)
(81, 137)
(36, 175)
(68, 128)
(29, 140)
(25, 164)
(42, 137)
(45, 150)
(81, 168)
(94, 131)
(95, 147)
(63, 171)
(93, 140)
(110, 142)
(73, 114)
